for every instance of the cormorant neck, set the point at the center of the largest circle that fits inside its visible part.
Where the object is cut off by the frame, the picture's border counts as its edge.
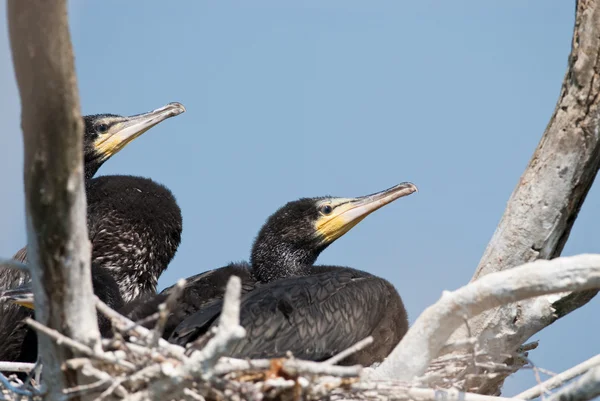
(273, 258)
(90, 168)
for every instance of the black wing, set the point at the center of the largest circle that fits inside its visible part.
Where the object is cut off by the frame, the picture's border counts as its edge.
(314, 317)
(200, 291)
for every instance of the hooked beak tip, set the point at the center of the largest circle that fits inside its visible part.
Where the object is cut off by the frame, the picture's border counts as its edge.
(177, 108)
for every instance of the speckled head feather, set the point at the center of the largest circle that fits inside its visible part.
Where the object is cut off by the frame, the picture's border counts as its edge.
(106, 134)
(286, 242)
(293, 237)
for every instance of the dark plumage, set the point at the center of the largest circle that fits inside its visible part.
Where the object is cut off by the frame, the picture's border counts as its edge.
(314, 316)
(134, 225)
(290, 304)
(135, 228)
(25, 350)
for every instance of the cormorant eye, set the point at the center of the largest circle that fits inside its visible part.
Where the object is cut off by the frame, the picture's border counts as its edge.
(102, 128)
(326, 209)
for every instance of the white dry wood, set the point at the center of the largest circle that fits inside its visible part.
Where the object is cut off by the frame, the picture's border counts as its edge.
(349, 351)
(164, 310)
(227, 333)
(13, 264)
(13, 388)
(433, 327)
(396, 391)
(59, 250)
(126, 325)
(587, 387)
(16, 366)
(560, 379)
(77, 346)
(541, 211)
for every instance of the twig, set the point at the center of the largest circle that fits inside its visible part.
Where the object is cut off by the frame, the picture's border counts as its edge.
(295, 367)
(16, 366)
(431, 331)
(14, 264)
(126, 325)
(192, 394)
(17, 390)
(228, 365)
(560, 378)
(395, 391)
(113, 388)
(349, 351)
(86, 367)
(84, 388)
(63, 340)
(586, 388)
(164, 310)
(228, 331)
(147, 319)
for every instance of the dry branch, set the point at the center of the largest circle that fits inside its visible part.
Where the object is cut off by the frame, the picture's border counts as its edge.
(426, 338)
(543, 207)
(142, 370)
(164, 310)
(560, 379)
(586, 388)
(59, 252)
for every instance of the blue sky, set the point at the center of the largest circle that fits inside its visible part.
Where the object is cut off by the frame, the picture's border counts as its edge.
(286, 100)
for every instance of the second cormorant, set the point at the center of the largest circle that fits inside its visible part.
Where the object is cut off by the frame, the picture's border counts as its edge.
(289, 303)
(134, 225)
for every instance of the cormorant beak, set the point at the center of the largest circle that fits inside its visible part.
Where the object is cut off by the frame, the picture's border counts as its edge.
(126, 129)
(22, 295)
(339, 215)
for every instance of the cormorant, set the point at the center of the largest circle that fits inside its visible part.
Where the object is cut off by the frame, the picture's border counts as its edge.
(104, 136)
(288, 303)
(104, 286)
(134, 225)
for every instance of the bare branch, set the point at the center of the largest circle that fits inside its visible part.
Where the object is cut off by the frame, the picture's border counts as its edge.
(586, 388)
(59, 252)
(426, 394)
(541, 211)
(14, 264)
(17, 390)
(16, 367)
(349, 351)
(75, 345)
(141, 332)
(431, 330)
(164, 310)
(560, 378)
(228, 331)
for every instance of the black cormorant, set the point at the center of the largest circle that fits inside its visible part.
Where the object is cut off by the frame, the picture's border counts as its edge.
(104, 136)
(288, 303)
(104, 286)
(134, 225)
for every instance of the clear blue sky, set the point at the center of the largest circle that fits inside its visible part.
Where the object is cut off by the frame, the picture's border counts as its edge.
(310, 98)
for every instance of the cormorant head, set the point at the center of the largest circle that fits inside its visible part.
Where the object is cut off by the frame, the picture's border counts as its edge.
(107, 134)
(295, 235)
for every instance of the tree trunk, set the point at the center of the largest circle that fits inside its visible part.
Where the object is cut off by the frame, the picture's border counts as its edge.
(543, 207)
(59, 252)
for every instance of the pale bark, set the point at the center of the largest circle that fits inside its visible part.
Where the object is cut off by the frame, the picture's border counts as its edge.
(544, 205)
(586, 388)
(59, 252)
(430, 332)
(560, 379)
